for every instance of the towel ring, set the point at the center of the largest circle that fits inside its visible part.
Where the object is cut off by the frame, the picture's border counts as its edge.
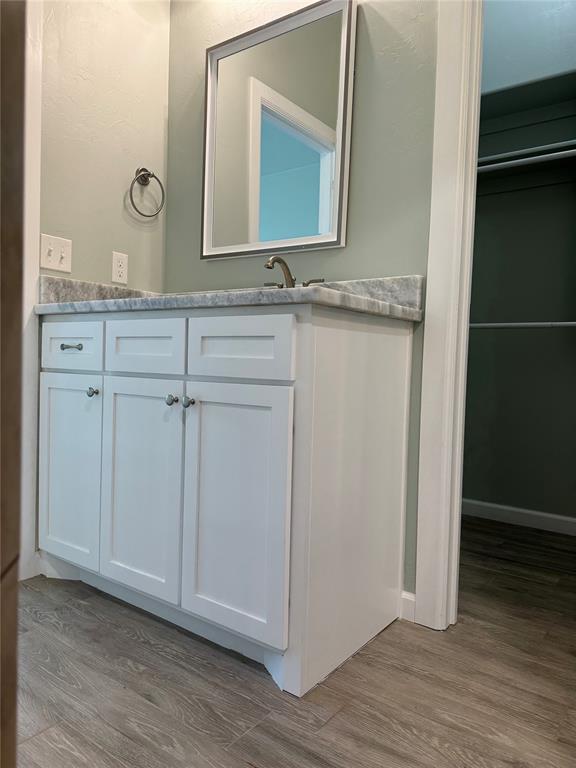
(143, 176)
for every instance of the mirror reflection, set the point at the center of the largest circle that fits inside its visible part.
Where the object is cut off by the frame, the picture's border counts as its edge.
(275, 155)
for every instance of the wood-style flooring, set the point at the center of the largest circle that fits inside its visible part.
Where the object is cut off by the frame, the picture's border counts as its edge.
(103, 685)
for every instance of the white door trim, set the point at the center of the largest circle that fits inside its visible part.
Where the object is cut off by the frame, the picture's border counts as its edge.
(455, 151)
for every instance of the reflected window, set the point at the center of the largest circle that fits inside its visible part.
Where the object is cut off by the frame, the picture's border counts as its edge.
(296, 178)
(292, 167)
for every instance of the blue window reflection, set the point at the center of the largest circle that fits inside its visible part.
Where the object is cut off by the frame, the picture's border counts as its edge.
(291, 182)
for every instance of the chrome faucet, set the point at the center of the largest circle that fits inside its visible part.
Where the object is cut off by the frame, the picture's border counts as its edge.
(289, 278)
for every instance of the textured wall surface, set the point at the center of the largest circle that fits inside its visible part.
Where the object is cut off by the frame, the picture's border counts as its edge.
(527, 40)
(391, 162)
(105, 105)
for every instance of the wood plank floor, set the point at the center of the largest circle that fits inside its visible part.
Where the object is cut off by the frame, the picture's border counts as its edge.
(104, 685)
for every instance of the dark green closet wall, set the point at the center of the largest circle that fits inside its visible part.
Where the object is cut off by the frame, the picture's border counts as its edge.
(525, 246)
(520, 444)
(520, 438)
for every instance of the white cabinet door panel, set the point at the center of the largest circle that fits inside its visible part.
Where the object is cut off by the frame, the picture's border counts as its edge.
(142, 485)
(70, 450)
(238, 460)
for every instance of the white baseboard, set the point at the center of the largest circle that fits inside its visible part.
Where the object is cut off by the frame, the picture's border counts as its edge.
(516, 516)
(408, 606)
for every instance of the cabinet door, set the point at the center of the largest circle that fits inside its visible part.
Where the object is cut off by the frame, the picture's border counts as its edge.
(70, 452)
(142, 485)
(238, 460)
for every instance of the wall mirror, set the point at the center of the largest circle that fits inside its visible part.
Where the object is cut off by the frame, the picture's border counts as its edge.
(277, 135)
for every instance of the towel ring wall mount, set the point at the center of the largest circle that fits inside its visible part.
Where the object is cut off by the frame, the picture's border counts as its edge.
(143, 177)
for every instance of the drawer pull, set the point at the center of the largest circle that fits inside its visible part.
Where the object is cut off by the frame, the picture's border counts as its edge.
(79, 347)
(171, 399)
(188, 401)
(91, 391)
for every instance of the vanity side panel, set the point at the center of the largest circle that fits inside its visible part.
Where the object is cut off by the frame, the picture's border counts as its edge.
(358, 484)
(288, 669)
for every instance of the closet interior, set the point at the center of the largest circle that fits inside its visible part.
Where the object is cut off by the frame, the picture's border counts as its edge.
(520, 418)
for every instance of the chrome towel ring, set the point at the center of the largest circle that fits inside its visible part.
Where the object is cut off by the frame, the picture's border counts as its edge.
(143, 176)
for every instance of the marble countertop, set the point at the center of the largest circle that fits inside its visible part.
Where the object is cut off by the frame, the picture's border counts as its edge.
(394, 297)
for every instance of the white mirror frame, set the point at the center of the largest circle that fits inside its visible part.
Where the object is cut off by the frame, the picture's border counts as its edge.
(336, 238)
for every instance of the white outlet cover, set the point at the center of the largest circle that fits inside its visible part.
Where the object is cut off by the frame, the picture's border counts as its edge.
(119, 267)
(55, 253)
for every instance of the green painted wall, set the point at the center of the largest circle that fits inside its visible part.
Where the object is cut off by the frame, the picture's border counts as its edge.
(391, 162)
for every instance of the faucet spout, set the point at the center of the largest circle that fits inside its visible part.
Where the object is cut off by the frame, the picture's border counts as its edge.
(289, 279)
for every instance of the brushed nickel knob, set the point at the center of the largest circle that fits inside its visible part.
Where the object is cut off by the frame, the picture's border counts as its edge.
(188, 401)
(92, 391)
(171, 399)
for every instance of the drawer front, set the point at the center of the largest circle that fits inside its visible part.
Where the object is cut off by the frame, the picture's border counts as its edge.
(146, 346)
(72, 346)
(250, 347)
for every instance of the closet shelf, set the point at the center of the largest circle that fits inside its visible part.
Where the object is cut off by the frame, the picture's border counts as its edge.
(544, 324)
(548, 152)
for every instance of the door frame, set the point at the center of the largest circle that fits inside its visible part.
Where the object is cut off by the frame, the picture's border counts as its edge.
(445, 355)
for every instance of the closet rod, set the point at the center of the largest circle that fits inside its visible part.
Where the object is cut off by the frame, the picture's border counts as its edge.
(566, 324)
(527, 161)
(527, 152)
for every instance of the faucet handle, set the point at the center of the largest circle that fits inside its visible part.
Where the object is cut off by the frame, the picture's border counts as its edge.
(273, 285)
(313, 281)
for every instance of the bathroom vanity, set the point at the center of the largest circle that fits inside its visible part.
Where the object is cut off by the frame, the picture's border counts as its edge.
(234, 462)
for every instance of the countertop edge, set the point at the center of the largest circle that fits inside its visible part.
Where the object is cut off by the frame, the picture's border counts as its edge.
(397, 297)
(217, 300)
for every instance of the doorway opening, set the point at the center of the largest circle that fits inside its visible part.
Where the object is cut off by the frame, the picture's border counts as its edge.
(518, 532)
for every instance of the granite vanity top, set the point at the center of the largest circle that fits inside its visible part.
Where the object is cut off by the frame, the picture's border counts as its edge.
(395, 297)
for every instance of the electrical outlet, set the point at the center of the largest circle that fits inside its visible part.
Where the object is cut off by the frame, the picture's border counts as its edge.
(119, 267)
(56, 253)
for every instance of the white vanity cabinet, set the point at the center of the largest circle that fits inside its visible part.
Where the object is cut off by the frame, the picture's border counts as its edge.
(238, 471)
(195, 476)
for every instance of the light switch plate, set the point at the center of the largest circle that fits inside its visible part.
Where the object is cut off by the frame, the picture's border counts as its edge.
(55, 253)
(119, 267)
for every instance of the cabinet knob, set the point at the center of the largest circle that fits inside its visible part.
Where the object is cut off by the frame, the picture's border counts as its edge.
(91, 391)
(171, 399)
(188, 401)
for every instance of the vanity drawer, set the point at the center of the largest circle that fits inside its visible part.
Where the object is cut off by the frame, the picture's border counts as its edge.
(247, 347)
(72, 346)
(146, 346)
